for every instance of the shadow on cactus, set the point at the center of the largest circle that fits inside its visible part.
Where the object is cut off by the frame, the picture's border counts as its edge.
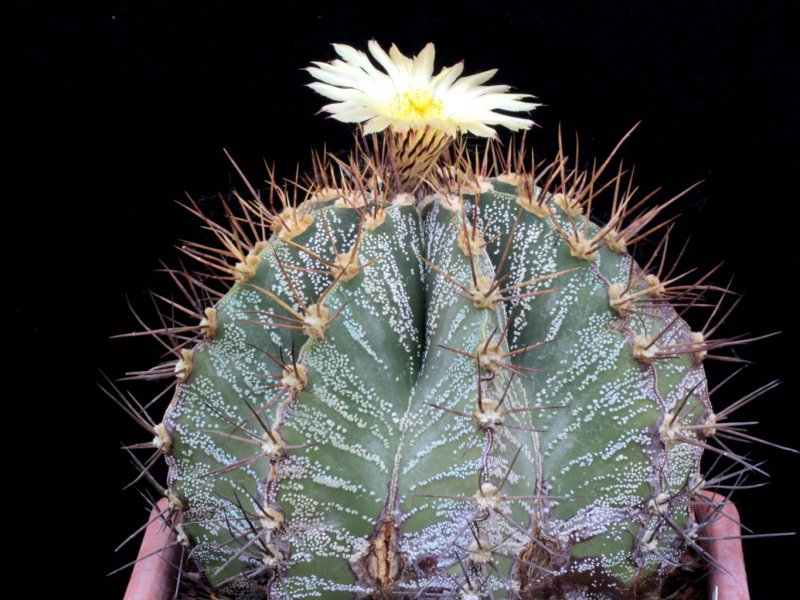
(426, 371)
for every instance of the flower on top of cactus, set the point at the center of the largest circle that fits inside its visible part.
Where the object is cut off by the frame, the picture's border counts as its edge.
(407, 96)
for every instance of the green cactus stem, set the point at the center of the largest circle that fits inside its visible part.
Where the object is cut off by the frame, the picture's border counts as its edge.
(430, 372)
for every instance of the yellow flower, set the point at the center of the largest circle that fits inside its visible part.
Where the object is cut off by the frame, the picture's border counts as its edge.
(408, 97)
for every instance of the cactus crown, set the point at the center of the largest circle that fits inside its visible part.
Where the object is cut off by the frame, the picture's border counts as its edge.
(427, 372)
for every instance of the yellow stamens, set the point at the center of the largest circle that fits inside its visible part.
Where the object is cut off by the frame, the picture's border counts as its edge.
(416, 104)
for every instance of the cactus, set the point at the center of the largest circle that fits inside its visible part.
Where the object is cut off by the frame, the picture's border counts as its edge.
(426, 371)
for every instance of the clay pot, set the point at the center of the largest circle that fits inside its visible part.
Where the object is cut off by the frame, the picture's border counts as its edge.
(154, 575)
(153, 578)
(726, 550)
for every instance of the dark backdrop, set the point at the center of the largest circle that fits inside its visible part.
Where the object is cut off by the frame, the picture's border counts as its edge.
(118, 110)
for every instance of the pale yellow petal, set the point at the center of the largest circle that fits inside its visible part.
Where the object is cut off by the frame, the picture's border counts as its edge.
(406, 95)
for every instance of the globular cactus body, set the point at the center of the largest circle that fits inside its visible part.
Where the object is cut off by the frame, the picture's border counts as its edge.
(379, 430)
(437, 377)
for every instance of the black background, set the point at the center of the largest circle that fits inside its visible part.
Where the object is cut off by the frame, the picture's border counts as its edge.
(118, 110)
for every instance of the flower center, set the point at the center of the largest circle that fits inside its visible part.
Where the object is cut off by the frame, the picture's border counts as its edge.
(416, 104)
